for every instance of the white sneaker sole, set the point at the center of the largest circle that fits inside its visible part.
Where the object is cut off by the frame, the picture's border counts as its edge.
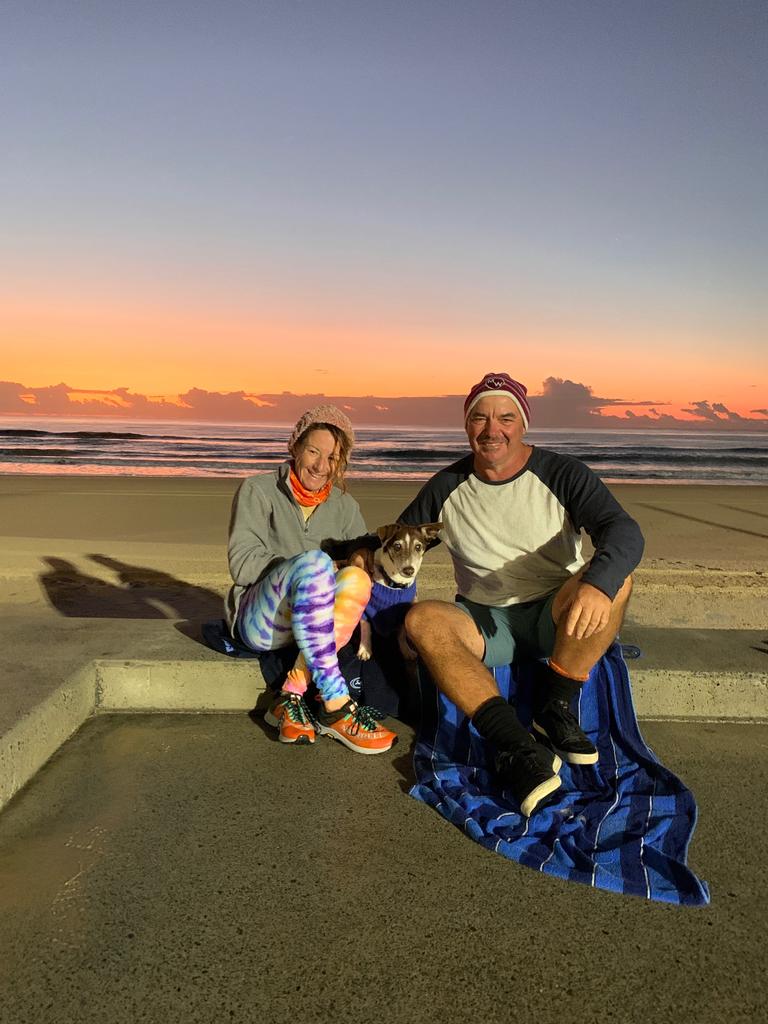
(302, 741)
(543, 790)
(323, 730)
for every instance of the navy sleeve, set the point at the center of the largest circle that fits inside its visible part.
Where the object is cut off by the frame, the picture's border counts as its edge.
(428, 504)
(423, 508)
(614, 533)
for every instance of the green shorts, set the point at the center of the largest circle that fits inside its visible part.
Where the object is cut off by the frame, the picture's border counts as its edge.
(515, 631)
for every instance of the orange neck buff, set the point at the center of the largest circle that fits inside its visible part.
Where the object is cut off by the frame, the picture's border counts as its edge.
(308, 499)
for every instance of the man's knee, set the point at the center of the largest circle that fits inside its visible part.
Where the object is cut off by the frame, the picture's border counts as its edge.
(565, 594)
(438, 622)
(622, 595)
(425, 615)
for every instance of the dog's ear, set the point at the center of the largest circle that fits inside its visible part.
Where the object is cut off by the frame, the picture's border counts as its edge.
(385, 532)
(341, 550)
(431, 530)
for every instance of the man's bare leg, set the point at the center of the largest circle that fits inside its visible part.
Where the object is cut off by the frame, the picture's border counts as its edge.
(450, 645)
(580, 641)
(452, 648)
(578, 657)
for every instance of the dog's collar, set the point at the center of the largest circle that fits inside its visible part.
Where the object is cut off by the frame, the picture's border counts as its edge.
(389, 582)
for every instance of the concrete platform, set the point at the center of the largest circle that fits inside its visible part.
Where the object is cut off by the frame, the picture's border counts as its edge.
(690, 674)
(190, 869)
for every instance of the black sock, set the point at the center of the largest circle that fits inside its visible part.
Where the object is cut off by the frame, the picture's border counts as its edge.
(551, 685)
(329, 717)
(497, 722)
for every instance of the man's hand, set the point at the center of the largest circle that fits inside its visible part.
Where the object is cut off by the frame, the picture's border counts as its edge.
(588, 613)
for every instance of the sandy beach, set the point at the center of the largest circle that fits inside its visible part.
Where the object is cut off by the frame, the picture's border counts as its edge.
(705, 540)
(706, 525)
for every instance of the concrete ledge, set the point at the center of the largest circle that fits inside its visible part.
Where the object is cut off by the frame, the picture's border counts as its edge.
(220, 686)
(664, 693)
(143, 686)
(127, 686)
(177, 685)
(36, 737)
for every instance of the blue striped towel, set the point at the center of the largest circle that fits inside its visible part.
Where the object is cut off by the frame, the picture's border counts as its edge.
(624, 824)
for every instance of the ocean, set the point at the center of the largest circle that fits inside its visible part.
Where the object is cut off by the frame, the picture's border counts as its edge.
(115, 447)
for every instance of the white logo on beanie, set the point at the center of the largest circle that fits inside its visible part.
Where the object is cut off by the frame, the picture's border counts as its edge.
(498, 383)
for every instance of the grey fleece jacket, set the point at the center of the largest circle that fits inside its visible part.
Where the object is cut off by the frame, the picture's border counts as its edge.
(267, 526)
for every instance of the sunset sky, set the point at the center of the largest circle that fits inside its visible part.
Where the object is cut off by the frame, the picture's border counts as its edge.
(386, 198)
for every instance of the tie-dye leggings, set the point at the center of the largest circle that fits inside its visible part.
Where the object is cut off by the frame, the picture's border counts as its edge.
(303, 599)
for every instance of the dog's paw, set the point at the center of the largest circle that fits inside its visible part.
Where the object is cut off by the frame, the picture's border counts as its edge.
(363, 653)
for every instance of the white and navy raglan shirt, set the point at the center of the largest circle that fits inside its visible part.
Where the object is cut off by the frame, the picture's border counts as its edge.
(519, 540)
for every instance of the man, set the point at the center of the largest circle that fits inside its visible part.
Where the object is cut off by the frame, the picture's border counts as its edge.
(512, 515)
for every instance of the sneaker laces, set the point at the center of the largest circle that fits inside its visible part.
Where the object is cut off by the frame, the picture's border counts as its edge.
(364, 717)
(561, 710)
(297, 710)
(528, 755)
(559, 713)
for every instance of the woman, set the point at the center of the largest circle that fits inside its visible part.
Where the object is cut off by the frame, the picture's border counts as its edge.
(286, 589)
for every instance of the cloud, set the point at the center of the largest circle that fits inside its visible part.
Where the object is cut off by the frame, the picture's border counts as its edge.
(562, 403)
(715, 413)
(735, 417)
(704, 411)
(198, 404)
(216, 405)
(567, 403)
(48, 400)
(63, 400)
(10, 398)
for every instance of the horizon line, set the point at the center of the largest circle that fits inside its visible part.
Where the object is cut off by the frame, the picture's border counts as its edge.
(697, 426)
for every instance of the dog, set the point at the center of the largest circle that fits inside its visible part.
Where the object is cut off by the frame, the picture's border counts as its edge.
(395, 566)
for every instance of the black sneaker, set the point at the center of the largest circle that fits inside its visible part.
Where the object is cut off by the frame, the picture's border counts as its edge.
(531, 774)
(560, 726)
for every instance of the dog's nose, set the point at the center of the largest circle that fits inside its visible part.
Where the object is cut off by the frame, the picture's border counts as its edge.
(408, 570)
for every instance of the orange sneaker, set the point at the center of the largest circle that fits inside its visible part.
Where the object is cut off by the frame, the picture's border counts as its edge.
(290, 716)
(357, 727)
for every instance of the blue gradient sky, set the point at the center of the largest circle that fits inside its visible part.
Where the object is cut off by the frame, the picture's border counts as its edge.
(576, 190)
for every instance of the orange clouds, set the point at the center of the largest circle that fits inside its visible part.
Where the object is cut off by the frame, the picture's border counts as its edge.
(560, 403)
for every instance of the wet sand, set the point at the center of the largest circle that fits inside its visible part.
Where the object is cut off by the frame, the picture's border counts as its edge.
(712, 527)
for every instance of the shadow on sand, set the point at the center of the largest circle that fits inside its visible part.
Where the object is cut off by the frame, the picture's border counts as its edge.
(139, 593)
(706, 522)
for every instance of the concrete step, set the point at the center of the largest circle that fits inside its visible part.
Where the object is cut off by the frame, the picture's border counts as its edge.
(699, 673)
(682, 674)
